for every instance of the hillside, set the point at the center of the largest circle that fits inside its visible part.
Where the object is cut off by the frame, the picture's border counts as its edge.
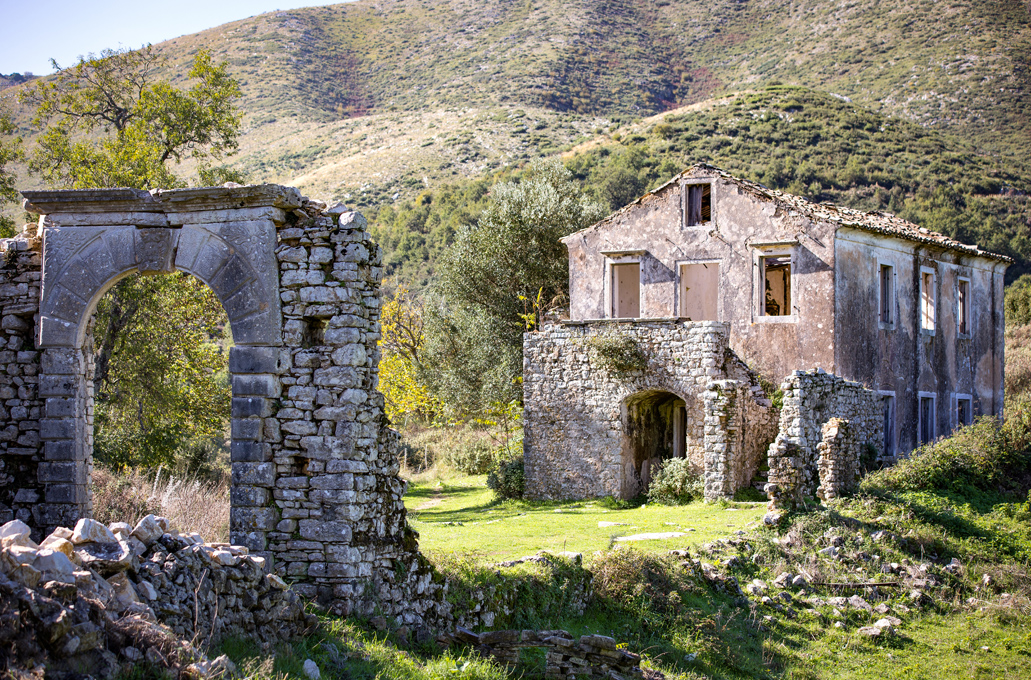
(327, 89)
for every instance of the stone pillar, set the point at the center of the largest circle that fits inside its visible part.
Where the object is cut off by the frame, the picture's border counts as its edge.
(721, 429)
(255, 385)
(66, 431)
(839, 459)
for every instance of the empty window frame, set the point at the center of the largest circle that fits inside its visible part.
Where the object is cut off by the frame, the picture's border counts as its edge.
(927, 299)
(963, 411)
(886, 304)
(926, 414)
(625, 287)
(775, 275)
(963, 306)
(698, 206)
(888, 413)
(699, 290)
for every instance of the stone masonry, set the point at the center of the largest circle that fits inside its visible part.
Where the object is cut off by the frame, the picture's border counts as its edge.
(315, 488)
(825, 422)
(582, 434)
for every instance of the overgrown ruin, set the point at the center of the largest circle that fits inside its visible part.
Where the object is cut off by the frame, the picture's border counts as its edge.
(315, 489)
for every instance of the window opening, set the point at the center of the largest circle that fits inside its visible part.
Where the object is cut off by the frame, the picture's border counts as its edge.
(626, 290)
(926, 419)
(964, 410)
(927, 301)
(699, 291)
(888, 407)
(699, 204)
(963, 303)
(887, 293)
(776, 273)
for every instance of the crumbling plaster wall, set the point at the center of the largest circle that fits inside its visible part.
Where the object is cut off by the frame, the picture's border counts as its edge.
(944, 362)
(314, 465)
(575, 418)
(744, 227)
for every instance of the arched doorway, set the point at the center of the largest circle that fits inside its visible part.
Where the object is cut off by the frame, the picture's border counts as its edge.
(656, 427)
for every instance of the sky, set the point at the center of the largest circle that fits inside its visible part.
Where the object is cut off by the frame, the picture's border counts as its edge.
(32, 32)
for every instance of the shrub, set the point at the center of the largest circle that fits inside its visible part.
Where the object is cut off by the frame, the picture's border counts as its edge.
(676, 484)
(472, 458)
(508, 479)
(618, 353)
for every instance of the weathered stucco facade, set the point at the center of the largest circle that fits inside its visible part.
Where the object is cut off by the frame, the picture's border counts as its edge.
(913, 316)
(314, 466)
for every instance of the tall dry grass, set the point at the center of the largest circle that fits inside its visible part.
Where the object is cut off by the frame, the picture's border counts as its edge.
(1018, 361)
(189, 504)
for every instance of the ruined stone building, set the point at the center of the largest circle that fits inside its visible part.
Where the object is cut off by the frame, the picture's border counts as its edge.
(720, 289)
(315, 489)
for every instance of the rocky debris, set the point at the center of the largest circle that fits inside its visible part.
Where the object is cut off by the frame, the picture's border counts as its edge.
(592, 656)
(97, 597)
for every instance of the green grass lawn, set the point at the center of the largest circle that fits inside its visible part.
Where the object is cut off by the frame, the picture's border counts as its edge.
(459, 514)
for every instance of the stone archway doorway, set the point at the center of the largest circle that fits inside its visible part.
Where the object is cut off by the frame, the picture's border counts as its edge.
(655, 428)
(92, 240)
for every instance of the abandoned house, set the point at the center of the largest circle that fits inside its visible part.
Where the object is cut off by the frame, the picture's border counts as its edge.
(690, 304)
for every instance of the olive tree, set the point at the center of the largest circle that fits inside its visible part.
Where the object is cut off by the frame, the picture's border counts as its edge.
(496, 280)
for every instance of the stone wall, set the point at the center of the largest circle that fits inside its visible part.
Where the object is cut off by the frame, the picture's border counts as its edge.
(739, 425)
(21, 491)
(580, 439)
(811, 400)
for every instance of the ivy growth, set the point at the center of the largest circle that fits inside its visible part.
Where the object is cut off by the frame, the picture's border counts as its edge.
(619, 353)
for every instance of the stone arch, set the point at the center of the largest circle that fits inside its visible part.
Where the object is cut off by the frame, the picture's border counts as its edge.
(85, 253)
(655, 426)
(81, 271)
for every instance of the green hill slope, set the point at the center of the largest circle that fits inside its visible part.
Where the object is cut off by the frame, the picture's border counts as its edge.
(377, 100)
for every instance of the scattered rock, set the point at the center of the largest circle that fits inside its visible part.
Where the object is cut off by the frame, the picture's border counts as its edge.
(91, 531)
(311, 669)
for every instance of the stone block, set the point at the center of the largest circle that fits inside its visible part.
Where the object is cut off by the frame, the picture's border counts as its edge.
(60, 407)
(58, 386)
(247, 407)
(330, 532)
(74, 494)
(256, 386)
(254, 474)
(53, 332)
(62, 361)
(245, 451)
(251, 360)
(259, 329)
(71, 472)
(249, 496)
(252, 519)
(245, 429)
(57, 428)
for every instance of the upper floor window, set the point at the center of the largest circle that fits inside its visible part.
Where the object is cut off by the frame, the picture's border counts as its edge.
(626, 290)
(963, 306)
(699, 204)
(699, 290)
(886, 314)
(776, 279)
(927, 299)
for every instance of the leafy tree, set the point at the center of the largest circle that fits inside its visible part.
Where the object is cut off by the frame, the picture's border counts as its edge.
(10, 151)
(497, 278)
(161, 380)
(401, 325)
(160, 376)
(148, 122)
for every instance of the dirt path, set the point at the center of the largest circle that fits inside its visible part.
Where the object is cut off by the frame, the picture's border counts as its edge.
(438, 498)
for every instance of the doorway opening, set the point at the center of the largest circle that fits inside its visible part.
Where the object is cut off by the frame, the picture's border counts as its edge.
(655, 428)
(161, 398)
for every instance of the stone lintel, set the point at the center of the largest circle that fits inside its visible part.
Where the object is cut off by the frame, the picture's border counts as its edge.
(80, 201)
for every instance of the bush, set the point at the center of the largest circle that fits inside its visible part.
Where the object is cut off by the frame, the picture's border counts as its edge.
(676, 484)
(472, 458)
(982, 457)
(508, 479)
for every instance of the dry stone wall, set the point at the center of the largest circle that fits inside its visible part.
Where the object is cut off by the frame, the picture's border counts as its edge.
(825, 423)
(576, 437)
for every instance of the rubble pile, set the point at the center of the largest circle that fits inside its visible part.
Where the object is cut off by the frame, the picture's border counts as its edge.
(592, 656)
(92, 598)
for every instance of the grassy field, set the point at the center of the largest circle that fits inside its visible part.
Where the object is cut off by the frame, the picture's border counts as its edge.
(458, 514)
